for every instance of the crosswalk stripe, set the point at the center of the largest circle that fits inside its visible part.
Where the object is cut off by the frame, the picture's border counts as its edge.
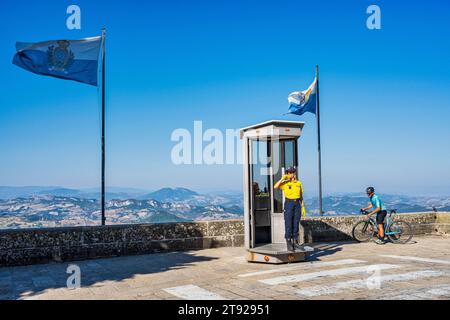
(304, 265)
(440, 291)
(192, 292)
(363, 283)
(327, 273)
(416, 259)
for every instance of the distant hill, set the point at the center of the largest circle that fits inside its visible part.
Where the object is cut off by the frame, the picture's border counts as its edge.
(90, 193)
(62, 192)
(170, 195)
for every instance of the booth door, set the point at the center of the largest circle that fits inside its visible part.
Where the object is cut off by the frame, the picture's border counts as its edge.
(261, 189)
(287, 151)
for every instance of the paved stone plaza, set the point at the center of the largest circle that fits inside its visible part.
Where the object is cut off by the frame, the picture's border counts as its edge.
(340, 270)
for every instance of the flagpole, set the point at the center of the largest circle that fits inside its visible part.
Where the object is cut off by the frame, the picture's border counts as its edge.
(103, 128)
(319, 158)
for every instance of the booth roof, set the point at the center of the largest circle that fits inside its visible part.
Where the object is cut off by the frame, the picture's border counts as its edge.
(277, 123)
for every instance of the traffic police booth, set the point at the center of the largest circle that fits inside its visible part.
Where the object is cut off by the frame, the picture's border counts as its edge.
(268, 149)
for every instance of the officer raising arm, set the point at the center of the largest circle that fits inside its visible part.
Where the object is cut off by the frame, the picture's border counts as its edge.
(293, 206)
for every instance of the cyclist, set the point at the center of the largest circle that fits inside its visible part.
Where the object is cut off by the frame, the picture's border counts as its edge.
(380, 209)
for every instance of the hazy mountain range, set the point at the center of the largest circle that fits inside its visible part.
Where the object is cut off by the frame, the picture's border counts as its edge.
(350, 203)
(22, 207)
(88, 193)
(51, 207)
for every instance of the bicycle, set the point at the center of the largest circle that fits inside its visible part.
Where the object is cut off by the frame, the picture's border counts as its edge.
(398, 231)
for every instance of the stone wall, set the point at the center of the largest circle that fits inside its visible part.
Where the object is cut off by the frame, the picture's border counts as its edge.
(339, 228)
(29, 246)
(443, 224)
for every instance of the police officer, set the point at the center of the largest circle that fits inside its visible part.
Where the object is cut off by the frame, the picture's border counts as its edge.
(294, 206)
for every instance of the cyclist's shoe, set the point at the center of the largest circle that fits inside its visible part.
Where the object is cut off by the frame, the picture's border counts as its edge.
(380, 241)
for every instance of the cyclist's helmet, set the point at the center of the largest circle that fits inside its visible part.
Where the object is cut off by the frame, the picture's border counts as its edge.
(370, 190)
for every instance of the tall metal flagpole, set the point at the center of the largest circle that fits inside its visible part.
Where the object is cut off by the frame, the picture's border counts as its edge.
(318, 141)
(103, 127)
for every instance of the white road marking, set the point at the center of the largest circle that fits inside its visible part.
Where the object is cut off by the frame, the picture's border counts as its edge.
(440, 291)
(362, 283)
(192, 292)
(416, 259)
(304, 265)
(326, 273)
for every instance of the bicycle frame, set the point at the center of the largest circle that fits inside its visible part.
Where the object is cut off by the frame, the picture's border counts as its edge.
(387, 223)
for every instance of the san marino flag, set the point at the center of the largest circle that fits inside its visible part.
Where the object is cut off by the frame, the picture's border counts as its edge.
(75, 60)
(303, 101)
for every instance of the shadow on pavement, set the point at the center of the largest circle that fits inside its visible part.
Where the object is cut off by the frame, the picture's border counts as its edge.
(323, 250)
(325, 238)
(26, 281)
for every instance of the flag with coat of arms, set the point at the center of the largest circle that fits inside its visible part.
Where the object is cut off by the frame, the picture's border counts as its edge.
(304, 101)
(75, 60)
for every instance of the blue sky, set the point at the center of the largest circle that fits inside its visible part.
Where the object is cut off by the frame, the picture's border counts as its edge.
(385, 98)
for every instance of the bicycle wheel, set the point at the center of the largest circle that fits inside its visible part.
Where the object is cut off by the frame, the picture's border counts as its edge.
(363, 231)
(402, 232)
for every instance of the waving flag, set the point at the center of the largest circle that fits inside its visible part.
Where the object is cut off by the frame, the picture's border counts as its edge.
(303, 101)
(75, 60)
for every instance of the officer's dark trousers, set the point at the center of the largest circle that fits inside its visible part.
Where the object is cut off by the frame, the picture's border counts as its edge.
(292, 216)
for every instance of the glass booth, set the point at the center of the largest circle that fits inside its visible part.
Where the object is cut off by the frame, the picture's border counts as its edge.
(268, 149)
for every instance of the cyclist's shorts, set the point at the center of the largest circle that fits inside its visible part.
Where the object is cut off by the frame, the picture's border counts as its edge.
(380, 216)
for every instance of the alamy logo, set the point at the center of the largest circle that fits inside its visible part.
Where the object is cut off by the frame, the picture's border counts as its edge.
(215, 147)
(73, 22)
(374, 280)
(374, 20)
(210, 147)
(74, 280)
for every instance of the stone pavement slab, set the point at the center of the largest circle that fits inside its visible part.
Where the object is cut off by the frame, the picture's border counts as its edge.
(338, 270)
